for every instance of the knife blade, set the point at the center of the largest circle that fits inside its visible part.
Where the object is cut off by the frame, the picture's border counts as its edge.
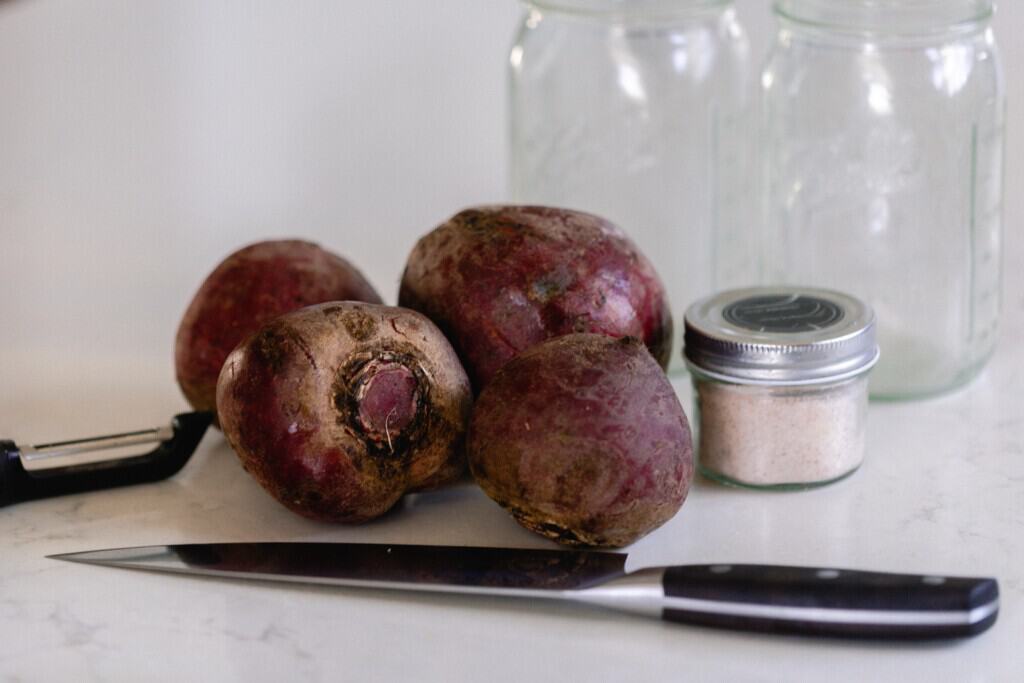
(766, 598)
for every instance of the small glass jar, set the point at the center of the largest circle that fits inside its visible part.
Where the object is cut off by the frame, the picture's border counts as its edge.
(635, 110)
(780, 378)
(883, 137)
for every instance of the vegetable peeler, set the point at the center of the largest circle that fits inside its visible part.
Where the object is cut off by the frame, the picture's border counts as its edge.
(63, 467)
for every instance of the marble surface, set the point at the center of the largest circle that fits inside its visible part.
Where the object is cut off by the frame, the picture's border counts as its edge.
(942, 491)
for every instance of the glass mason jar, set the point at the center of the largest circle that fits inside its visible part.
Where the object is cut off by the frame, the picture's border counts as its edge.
(780, 385)
(631, 109)
(883, 142)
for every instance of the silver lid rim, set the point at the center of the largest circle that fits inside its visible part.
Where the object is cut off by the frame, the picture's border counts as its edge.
(753, 349)
(698, 370)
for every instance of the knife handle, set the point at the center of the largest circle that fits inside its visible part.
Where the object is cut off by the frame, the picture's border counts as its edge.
(829, 602)
(17, 484)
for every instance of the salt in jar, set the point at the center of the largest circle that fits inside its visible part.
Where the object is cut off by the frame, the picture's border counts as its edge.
(780, 377)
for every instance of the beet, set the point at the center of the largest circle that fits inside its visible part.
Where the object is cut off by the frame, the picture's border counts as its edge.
(583, 440)
(248, 288)
(498, 280)
(339, 409)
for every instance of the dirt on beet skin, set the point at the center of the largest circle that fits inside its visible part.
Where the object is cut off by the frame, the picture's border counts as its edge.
(500, 279)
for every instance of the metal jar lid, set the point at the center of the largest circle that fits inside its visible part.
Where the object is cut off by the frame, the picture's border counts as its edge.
(780, 335)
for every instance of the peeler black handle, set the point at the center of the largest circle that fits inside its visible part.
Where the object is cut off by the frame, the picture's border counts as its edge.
(18, 484)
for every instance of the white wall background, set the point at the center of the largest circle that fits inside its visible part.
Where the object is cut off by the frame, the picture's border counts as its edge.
(142, 141)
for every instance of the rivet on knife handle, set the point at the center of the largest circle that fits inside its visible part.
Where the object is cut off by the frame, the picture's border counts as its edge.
(67, 467)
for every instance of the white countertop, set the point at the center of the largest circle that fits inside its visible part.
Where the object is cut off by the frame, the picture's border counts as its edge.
(942, 491)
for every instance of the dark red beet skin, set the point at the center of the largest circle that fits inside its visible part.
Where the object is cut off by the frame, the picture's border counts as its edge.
(339, 409)
(583, 440)
(248, 288)
(499, 279)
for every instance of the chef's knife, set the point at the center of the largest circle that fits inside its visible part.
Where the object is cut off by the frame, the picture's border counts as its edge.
(802, 600)
(99, 462)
